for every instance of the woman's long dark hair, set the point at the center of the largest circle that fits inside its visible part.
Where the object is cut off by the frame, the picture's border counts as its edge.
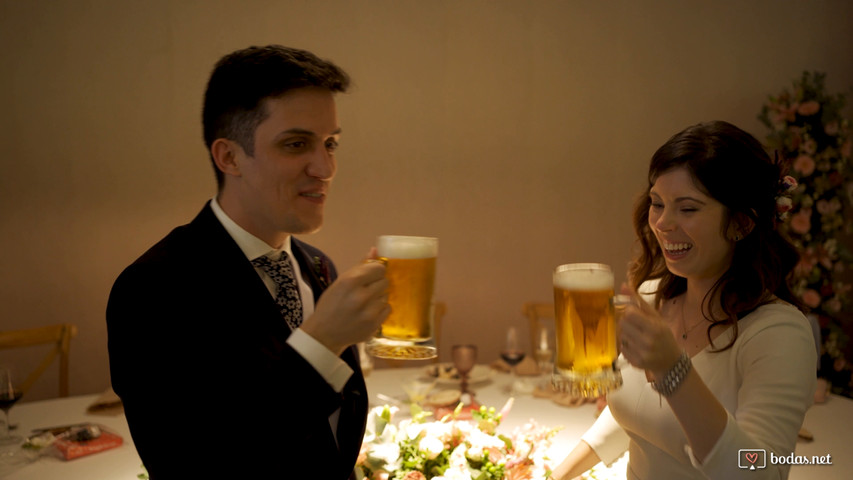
(732, 167)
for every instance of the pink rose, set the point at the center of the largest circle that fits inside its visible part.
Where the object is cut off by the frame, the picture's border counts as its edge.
(789, 183)
(805, 165)
(831, 129)
(808, 108)
(811, 298)
(806, 264)
(826, 207)
(833, 305)
(801, 222)
(809, 146)
(782, 114)
(847, 149)
(783, 205)
(416, 475)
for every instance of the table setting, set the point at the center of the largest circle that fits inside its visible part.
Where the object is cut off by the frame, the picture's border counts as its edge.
(564, 417)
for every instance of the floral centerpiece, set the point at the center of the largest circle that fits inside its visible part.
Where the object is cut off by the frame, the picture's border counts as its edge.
(812, 137)
(452, 448)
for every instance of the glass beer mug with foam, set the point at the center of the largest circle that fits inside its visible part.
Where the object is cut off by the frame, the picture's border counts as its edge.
(585, 325)
(410, 269)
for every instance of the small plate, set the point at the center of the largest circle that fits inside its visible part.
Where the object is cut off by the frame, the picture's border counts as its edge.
(446, 374)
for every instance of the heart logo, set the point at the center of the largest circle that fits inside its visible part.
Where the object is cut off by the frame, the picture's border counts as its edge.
(751, 457)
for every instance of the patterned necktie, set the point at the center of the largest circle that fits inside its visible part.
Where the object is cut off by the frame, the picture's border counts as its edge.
(287, 297)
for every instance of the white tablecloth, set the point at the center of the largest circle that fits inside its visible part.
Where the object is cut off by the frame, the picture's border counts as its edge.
(830, 423)
(120, 463)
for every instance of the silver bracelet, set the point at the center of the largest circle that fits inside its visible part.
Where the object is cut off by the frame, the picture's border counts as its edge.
(673, 378)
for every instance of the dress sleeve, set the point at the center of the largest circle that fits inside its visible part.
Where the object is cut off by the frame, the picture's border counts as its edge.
(776, 366)
(606, 438)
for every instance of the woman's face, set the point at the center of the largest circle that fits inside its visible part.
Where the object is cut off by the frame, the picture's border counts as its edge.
(688, 225)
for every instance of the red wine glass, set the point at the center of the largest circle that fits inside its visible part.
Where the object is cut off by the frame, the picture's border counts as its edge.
(9, 394)
(512, 353)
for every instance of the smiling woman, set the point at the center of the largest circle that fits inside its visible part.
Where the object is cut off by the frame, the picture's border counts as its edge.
(711, 255)
(690, 227)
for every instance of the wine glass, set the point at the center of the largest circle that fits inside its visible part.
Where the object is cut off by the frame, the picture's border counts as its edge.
(9, 394)
(512, 353)
(544, 354)
(464, 359)
(417, 390)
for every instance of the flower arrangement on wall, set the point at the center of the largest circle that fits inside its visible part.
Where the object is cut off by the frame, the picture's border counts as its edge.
(809, 132)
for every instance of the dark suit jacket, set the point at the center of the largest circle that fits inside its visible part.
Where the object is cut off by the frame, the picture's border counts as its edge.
(210, 387)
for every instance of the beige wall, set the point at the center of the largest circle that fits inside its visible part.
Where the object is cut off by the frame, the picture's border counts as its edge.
(516, 131)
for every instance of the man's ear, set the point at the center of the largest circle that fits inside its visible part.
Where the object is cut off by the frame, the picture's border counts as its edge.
(224, 153)
(740, 226)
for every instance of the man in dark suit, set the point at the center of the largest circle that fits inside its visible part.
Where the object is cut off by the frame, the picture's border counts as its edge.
(227, 365)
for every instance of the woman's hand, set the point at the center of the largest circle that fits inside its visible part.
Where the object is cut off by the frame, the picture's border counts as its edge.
(645, 339)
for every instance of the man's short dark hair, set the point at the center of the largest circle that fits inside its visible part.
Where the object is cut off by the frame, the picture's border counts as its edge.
(241, 81)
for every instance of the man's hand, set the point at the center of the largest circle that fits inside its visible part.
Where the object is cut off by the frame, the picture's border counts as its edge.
(351, 309)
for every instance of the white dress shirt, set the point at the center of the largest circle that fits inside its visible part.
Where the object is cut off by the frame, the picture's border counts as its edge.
(334, 370)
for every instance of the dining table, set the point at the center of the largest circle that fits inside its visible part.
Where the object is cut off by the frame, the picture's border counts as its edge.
(828, 422)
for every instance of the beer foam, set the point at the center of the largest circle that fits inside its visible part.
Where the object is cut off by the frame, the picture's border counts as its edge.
(584, 277)
(397, 246)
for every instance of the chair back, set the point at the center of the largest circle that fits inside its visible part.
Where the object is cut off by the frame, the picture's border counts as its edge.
(539, 315)
(58, 335)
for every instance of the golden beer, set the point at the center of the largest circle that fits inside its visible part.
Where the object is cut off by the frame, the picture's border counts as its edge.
(410, 269)
(585, 327)
(412, 281)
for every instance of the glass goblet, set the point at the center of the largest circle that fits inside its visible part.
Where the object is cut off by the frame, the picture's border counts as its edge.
(464, 359)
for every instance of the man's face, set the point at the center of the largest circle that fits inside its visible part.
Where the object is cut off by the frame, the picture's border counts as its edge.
(282, 188)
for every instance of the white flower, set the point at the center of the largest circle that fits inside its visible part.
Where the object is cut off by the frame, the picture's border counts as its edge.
(481, 440)
(386, 455)
(457, 458)
(431, 446)
(475, 454)
(441, 431)
(376, 422)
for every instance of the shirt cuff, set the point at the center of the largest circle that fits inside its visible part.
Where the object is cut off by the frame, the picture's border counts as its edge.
(335, 371)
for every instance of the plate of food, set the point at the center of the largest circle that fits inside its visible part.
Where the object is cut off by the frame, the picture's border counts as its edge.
(446, 374)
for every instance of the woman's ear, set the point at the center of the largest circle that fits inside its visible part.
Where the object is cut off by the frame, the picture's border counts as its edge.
(740, 226)
(224, 153)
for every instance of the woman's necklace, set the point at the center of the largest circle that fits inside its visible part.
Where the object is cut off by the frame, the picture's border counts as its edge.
(686, 331)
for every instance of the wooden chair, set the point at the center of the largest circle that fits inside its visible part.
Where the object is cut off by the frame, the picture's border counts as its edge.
(536, 312)
(58, 335)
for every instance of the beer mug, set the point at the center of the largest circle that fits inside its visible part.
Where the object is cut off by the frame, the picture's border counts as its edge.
(410, 269)
(585, 326)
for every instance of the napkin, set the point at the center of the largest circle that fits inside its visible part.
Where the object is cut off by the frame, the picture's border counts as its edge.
(107, 404)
